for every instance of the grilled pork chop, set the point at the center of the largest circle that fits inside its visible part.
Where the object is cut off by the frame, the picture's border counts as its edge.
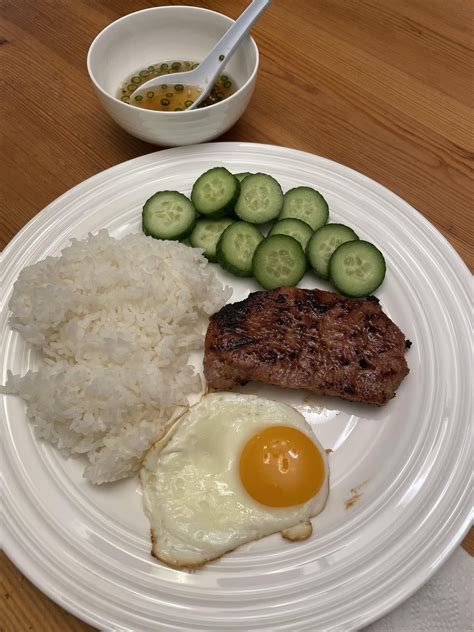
(308, 339)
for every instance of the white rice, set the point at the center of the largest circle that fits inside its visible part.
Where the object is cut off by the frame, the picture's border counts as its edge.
(115, 321)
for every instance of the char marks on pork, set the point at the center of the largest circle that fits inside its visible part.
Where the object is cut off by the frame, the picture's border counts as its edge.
(309, 339)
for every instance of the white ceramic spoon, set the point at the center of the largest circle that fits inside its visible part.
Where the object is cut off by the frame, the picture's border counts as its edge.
(209, 69)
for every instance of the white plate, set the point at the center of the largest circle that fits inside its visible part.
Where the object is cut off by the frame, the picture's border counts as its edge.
(88, 548)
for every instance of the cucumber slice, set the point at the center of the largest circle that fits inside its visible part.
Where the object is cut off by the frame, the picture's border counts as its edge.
(206, 234)
(215, 192)
(168, 215)
(260, 200)
(357, 268)
(323, 243)
(242, 176)
(279, 261)
(236, 247)
(306, 204)
(295, 228)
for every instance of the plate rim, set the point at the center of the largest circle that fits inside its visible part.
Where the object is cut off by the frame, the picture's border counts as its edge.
(33, 573)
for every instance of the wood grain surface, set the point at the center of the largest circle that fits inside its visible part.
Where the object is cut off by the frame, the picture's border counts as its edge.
(383, 86)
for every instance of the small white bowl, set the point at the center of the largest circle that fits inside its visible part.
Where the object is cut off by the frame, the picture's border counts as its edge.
(161, 34)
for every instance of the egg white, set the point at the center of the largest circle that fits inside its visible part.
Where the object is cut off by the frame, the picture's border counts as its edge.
(193, 496)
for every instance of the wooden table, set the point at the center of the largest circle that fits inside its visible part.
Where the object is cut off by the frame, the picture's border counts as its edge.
(389, 93)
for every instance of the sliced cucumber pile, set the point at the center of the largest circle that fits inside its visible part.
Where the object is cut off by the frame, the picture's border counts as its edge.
(357, 268)
(215, 192)
(260, 200)
(279, 261)
(295, 228)
(236, 248)
(206, 234)
(168, 215)
(223, 216)
(323, 243)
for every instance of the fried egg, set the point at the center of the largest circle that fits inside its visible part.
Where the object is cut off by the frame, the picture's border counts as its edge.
(234, 468)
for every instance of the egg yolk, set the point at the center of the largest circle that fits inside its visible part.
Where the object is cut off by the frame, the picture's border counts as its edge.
(280, 467)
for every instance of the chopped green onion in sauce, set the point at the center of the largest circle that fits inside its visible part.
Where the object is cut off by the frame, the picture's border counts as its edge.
(183, 96)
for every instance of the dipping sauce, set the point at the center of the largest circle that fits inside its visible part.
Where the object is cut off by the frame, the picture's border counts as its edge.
(171, 97)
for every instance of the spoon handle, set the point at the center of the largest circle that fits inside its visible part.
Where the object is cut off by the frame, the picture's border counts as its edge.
(230, 40)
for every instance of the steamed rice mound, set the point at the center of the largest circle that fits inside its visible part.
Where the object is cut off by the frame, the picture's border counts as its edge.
(116, 321)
